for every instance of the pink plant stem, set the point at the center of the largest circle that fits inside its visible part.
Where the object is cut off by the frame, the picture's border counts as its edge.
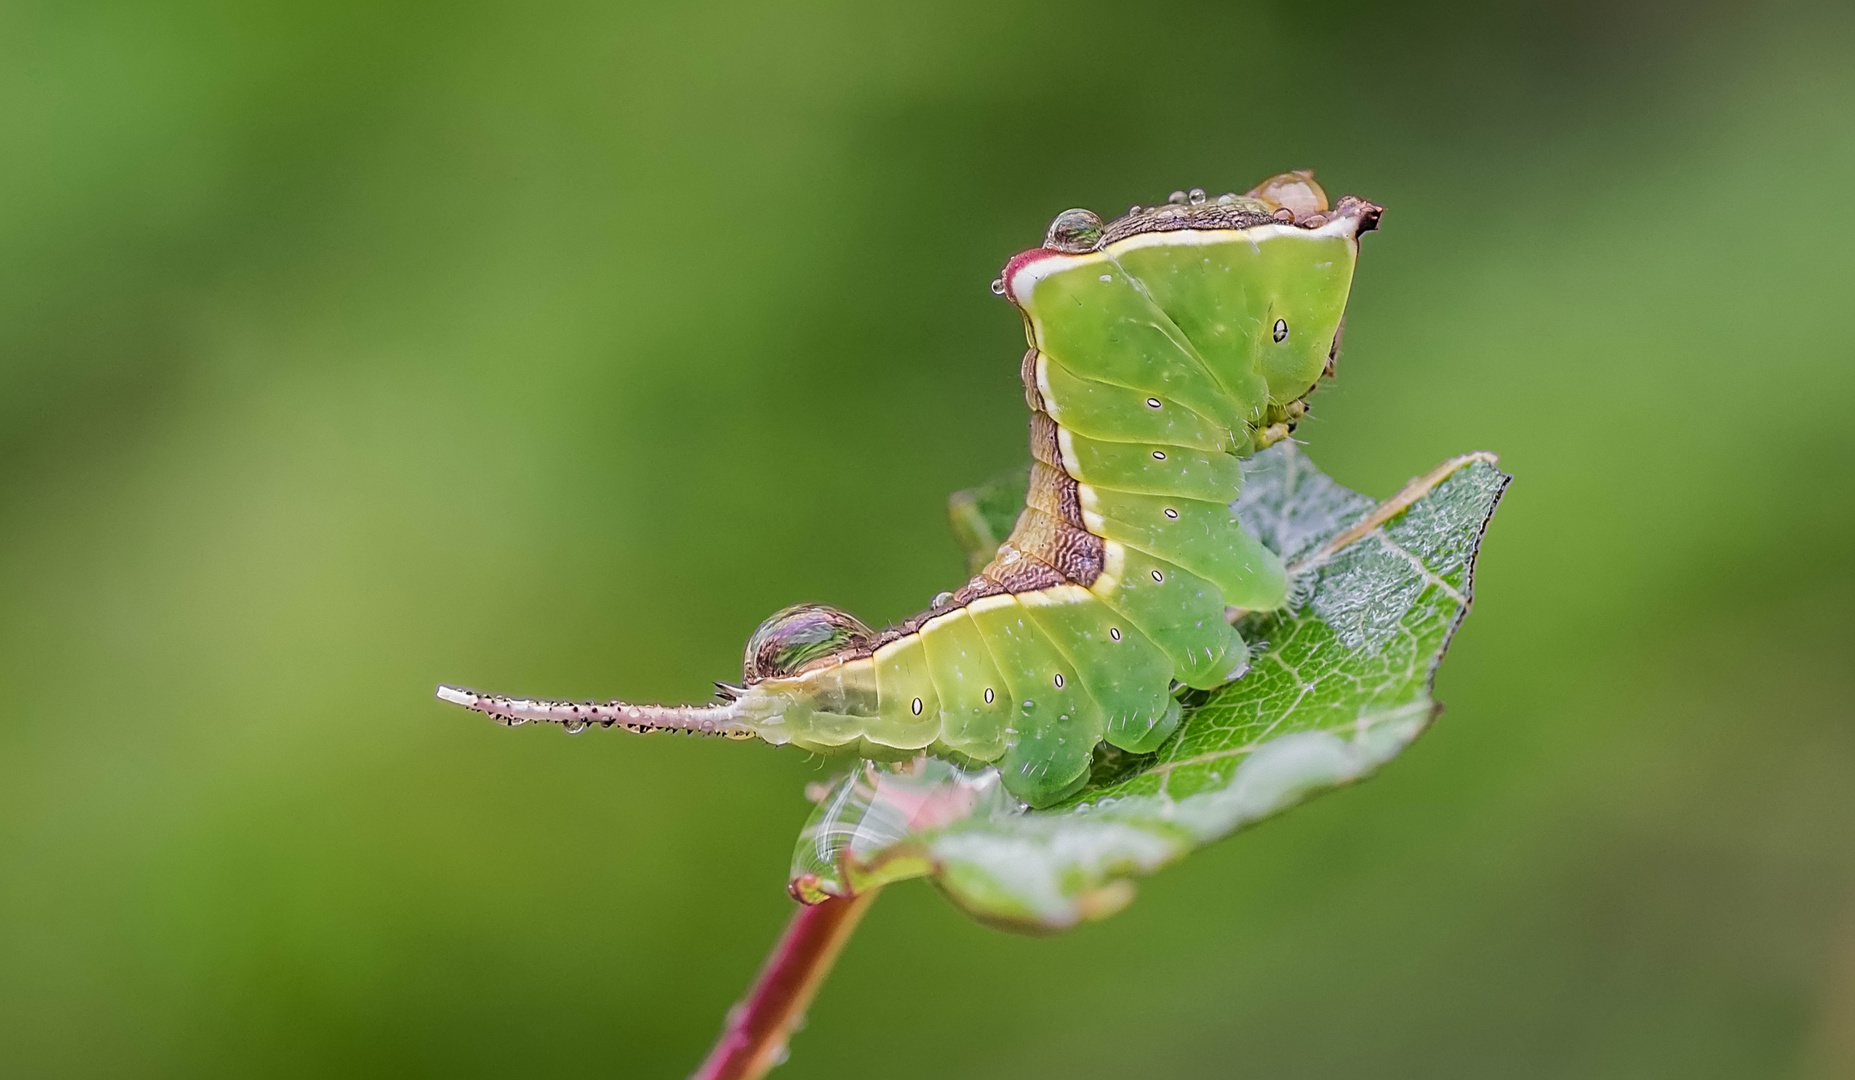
(753, 1038)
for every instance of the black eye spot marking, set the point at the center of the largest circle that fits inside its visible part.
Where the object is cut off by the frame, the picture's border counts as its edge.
(1059, 680)
(1152, 403)
(1114, 632)
(1159, 577)
(988, 695)
(1159, 455)
(1171, 513)
(1281, 330)
(916, 707)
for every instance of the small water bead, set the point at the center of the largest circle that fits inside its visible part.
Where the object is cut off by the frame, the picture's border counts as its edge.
(574, 727)
(998, 286)
(1029, 705)
(1074, 231)
(941, 599)
(1177, 198)
(1195, 196)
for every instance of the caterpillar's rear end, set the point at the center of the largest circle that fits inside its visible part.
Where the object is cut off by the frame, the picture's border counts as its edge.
(1164, 346)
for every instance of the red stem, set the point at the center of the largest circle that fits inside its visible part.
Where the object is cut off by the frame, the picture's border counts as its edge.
(753, 1038)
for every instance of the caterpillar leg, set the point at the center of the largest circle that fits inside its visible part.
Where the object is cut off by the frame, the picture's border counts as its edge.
(577, 716)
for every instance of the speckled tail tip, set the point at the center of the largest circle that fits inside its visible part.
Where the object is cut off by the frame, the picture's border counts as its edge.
(577, 716)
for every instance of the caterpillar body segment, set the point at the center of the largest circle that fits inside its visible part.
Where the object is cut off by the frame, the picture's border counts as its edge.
(1094, 409)
(1163, 346)
(1149, 468)
(1056, 722)
(1204, 538)
(1123, 671)
(1180, 612)
(1301, 283)
(976, 706)
(907, 706)
(1101, 324)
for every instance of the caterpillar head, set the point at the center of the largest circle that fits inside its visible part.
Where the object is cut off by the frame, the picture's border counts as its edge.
(1257, 283)
(794, 638)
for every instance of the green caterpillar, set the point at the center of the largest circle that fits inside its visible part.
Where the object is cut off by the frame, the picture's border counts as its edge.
(1164, 346)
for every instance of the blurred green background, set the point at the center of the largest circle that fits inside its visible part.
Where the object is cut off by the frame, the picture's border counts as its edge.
(346, 348)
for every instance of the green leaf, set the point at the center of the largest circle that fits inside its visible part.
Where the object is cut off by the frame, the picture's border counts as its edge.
(1339, 683)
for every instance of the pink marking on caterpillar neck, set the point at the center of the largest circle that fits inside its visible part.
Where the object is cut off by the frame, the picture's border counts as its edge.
(576, 716)
(1021, 260)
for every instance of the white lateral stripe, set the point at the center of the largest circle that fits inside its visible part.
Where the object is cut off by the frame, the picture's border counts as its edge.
(939, 622)
(888, 651)
(1113, 565)
(987, 603)
(1036, 270)
(1341, 227)
(1092, 518)
(1066, 449)
(1066, 593)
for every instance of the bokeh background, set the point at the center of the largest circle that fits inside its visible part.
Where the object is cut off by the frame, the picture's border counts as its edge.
(350, 347)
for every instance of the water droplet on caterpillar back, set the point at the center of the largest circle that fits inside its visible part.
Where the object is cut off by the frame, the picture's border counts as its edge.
(1074, 232)
(1294, 191)
(794, 637)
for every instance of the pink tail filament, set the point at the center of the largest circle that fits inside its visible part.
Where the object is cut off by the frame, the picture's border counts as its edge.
(577, 716)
